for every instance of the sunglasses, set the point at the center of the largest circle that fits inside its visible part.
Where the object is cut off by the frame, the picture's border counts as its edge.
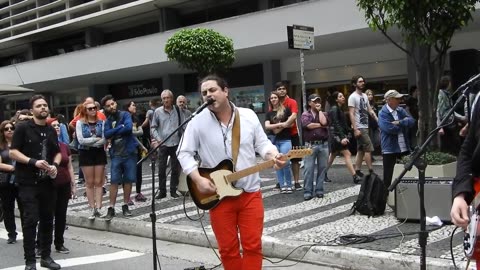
(9, 128)
(92, 108)
(55, 125)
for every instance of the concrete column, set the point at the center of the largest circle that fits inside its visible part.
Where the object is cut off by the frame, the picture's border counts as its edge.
(174, 82)
(93, 37)
(168, 19)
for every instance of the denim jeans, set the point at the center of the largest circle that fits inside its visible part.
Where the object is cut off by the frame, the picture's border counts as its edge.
(320, 155)
(284, 175)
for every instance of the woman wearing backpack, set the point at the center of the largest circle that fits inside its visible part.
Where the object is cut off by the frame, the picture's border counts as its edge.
(341, 134)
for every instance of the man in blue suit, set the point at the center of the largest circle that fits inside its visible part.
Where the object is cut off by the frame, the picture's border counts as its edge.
(394, 122)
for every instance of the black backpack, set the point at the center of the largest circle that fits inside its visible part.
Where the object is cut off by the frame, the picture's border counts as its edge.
(372, 198)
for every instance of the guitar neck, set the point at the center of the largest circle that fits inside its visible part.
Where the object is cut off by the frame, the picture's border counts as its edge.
(243, 173)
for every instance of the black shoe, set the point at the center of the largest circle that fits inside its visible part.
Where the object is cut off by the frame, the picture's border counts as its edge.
(12, 240)
(307, 197)
(370, 171)
(160, 195)
(38, 253)
(277, 186)
(104, 190)
(320, 196)
(126, 212)
(110, 214)
(298, 186)
(356, 178)
(30, 267)
(328, 180)
(359, 173)
(62, 249)
(174, 195)
(49, 263)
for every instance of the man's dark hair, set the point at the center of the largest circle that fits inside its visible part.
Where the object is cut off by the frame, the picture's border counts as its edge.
(156, 102)
(354, 81)
(105, 99)
(444, 82)
(284, 83)
(212, 77)
(35, 98)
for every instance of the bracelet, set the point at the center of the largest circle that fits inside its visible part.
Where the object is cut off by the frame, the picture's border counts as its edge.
(32, 162)
(56, 164)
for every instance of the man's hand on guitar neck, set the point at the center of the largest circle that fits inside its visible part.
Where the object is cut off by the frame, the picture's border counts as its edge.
(280, 161)
(459, 212)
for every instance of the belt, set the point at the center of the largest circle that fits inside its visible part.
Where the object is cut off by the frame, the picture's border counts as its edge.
(318, 141)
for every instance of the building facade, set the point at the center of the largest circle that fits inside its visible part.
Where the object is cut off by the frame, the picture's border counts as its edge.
(69, 49)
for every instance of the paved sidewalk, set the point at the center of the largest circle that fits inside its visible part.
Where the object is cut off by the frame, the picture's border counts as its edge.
(311, 228)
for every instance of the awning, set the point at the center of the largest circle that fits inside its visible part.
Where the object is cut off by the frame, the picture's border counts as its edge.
(8, 89)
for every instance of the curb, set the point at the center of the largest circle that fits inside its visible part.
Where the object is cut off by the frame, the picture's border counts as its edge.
(350, 258)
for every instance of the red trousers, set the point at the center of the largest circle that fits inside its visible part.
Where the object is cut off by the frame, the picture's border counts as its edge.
(239, 216)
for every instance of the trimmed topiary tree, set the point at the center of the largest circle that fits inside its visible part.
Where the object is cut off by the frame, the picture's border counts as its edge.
(202, 50)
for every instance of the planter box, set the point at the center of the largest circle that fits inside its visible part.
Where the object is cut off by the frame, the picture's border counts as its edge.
(448, 170)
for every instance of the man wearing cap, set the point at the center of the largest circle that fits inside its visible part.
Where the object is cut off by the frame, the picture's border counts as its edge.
(394, 122)
(359, 108)
(315, 136)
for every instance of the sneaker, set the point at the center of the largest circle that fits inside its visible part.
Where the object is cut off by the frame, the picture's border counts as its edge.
(62, 249)
(356, 178)
(283, 190)
(174, 195)
(92, 216)
(126, 212)
(49, 263)
(277, 186)
(130, 202)
(307, 197)
(11, 240)
(359, 173)
(110, 214)
(140, 198)
(160, 195)
(31, 266)
(104, 190)
(298, 186)
(288, 190)
(328, 180)
(320, 196)
(96, 213)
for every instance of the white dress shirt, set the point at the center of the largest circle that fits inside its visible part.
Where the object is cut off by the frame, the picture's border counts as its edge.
(213, 142)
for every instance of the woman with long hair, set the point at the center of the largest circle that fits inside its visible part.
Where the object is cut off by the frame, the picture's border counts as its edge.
(64, 189)
(373, 128)
(279, 134)
(137, 131)
(91, 155)
(341, 134)
(8, 191)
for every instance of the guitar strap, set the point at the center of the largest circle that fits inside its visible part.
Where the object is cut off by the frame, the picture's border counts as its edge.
(235, 137)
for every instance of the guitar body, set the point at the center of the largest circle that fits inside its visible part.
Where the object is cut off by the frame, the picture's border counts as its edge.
(217, 175)
(471, 241)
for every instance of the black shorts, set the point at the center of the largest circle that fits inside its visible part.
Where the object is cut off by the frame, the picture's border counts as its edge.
(295, 143)
(92, 157)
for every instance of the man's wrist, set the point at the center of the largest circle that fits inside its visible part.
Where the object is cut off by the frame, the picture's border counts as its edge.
(32, 162)
(56, 164)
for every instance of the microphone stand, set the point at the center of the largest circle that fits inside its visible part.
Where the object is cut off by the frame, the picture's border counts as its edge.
(153, 157)
(420, 163)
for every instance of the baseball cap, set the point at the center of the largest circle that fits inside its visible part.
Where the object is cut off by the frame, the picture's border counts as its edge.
(313, 97)
(393, 94)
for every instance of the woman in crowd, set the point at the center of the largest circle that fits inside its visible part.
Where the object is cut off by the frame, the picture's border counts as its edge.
(63, 135)
(8, 191)
(137, 132)
(91, 155)
(65, 190)
(373, 129)
(341, 134)
(279, 134)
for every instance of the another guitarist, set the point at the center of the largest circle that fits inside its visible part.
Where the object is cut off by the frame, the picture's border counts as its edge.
(468, 173)
(210, 134)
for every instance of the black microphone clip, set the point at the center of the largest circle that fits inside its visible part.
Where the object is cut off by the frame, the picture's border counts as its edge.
(203, 106)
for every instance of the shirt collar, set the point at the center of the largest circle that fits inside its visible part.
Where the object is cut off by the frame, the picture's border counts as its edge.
(390, 109)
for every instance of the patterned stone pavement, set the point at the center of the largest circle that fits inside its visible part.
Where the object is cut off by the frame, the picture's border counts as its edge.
(322, 221)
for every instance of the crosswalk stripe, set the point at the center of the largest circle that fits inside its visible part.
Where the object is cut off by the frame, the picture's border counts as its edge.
(4, 234)
(124, 254)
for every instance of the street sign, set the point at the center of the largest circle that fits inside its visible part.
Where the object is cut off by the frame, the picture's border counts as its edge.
(300, 37)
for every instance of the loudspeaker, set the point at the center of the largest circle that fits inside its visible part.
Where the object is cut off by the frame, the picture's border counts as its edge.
(463, 65)
(438, 198)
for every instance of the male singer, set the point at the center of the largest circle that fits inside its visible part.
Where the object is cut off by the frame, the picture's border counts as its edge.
(210, 134)
(35, 149)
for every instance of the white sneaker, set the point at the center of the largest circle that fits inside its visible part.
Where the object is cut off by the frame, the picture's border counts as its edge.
(93, 215)
(283, 190)
(289, 190)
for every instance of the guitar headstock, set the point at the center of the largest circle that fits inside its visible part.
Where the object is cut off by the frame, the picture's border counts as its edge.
(299, 152)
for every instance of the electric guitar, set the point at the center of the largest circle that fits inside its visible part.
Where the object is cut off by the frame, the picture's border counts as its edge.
(223, 175)
(471, 240)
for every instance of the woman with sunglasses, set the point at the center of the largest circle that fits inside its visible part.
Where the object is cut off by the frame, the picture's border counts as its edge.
(64, 189)
(8, 190)
(91, 155)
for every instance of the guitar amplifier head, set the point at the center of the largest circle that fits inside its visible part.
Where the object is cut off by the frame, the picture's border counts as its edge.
(438, 198)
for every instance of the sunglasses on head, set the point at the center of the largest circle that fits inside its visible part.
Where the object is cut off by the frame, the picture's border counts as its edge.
(91, 108)
(9, 128)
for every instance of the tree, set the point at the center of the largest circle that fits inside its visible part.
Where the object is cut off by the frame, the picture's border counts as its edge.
(202, 50)
(427, 27)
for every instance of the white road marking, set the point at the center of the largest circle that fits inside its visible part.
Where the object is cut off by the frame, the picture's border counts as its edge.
(125, 254)
(4, 234)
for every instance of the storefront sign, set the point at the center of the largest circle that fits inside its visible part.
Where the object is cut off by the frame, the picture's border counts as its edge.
(137, 89)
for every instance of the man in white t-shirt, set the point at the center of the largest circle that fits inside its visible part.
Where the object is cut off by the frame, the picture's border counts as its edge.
(359, 108)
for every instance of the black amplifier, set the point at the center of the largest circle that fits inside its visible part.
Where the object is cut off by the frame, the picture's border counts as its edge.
(438, 198)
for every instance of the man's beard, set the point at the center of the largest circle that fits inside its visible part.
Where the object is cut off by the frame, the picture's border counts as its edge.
(41, 117)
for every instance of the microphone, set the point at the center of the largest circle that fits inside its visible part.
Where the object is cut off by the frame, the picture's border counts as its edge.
(203, 106)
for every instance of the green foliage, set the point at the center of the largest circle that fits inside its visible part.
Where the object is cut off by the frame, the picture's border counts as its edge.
(428, 22)
(200, 49)
(434, 158)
